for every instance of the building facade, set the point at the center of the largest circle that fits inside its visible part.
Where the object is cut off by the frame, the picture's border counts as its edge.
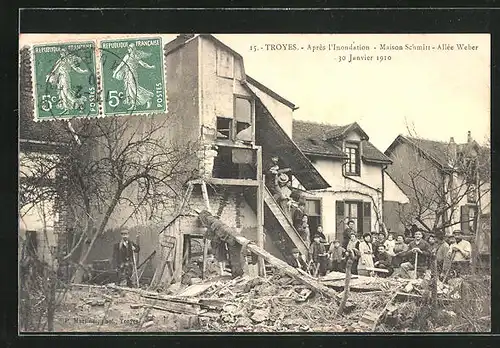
(213, 104)
(355, 170)
(448, 183)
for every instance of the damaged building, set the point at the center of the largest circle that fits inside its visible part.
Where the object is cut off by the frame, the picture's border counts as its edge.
(214, 103)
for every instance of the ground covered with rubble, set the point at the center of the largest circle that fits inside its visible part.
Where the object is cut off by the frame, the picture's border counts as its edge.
(279, 303)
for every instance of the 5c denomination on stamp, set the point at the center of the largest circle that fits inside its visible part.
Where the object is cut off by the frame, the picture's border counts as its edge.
(133, 80)
(65, 81)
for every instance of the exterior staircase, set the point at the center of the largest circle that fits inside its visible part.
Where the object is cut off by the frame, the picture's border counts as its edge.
(284, 222)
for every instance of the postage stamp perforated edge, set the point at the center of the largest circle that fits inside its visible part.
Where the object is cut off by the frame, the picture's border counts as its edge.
(31, 49)
(163, 69)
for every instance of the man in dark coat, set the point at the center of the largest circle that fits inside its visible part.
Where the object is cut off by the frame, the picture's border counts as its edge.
(347, 233)
(123, 257)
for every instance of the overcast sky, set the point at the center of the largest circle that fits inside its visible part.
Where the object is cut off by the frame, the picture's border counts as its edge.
(440, 94)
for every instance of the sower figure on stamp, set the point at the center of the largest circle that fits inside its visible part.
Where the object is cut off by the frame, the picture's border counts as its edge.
(127, 71)
(60, 77)
(123, 257)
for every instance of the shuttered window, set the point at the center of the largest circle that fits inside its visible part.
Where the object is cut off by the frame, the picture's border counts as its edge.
(359, 212)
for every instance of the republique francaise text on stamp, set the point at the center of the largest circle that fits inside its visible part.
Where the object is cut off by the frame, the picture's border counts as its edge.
(65, 81)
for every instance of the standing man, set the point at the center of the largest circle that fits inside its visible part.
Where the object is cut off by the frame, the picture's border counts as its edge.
(439, 248)
(347, 233)
(123, 257)
(417, 246)
(459, 253)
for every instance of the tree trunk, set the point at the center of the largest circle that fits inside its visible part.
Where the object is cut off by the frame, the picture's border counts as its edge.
(51, 300)
(434, 282)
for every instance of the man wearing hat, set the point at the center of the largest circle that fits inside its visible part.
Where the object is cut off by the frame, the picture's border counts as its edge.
(439, 248)
(297, 260)
(123, 257)
(283, 192)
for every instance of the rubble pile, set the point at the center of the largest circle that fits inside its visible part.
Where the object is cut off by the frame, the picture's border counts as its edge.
(273, 304)
(422, 287)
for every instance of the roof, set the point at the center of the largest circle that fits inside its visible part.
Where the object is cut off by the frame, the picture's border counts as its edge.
(272, 93)
(275, 141)
(312, 138)
(436, 151)
(341, 131)
(182, 39)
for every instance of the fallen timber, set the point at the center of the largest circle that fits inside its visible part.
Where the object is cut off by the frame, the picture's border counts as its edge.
(217, 229)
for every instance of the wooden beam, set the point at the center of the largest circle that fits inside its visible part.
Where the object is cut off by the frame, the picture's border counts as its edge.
(205, 240)
(228, 182)
(260, 212)
(310, 282)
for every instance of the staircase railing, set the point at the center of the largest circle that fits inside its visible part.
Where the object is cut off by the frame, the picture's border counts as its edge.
(289, 228)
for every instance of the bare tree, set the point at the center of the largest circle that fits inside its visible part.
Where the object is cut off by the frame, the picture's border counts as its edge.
(436, 192)
(119, 168)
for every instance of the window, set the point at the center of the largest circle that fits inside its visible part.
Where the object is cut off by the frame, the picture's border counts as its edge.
(358, 212)
(353, 165)
(352, 213)
(468, 218)
(225, 64)
(224, 128)
(243, 116)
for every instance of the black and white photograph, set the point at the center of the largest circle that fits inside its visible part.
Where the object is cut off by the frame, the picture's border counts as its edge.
(254, 183)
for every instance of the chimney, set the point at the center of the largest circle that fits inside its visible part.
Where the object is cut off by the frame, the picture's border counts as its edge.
(184, 37)
(452, 152)
(469, 137)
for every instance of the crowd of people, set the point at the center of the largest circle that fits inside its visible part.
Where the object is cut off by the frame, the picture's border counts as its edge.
(382, 254)
(387, 255)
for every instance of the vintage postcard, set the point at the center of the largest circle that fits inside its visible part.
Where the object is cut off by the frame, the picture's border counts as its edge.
(254, 183)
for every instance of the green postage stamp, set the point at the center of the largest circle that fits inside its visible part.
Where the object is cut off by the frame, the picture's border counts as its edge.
(65, 81)
(133, 80)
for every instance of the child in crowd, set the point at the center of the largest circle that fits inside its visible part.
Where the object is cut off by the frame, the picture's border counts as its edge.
(318, 256)
(297, 260)
(389, 244)
(337, 256)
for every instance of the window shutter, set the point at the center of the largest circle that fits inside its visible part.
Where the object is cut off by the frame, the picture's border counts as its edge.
(339, 218)
(358, 162)
(367, 217)
(464, 219)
